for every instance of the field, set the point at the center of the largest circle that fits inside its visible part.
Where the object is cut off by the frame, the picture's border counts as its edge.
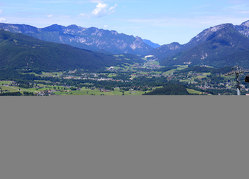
(125, 80)
(194, 92)
(5, 83)
(179, 68)
(96, 92)
(65, 91)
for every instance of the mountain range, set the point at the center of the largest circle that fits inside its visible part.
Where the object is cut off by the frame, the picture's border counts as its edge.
(93, 39)
(222, 45)
(21, 52)
(92, 48)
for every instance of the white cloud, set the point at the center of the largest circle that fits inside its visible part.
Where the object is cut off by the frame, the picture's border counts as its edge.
(103, 9)
(50, 16)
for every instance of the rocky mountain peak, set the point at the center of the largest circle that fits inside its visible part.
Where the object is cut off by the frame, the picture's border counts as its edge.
(246, 24)
(86, 38)
(219, 27)
(18, 28)
(174, 44)
(243, 28)
(74, 27)
(204, 35)
(54, 27)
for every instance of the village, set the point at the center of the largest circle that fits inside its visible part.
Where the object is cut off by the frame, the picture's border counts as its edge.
(129, 79)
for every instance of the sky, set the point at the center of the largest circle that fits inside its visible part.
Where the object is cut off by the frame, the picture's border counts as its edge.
(161, 21)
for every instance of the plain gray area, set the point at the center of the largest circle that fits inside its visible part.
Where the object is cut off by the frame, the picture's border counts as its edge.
(183, 137)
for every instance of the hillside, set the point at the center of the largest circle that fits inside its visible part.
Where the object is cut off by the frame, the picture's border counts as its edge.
(167, 50)
(93, 39)
(170, 89)
(222, 45)
(19, 51)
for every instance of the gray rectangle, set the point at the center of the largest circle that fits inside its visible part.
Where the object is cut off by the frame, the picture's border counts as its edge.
(124, 137)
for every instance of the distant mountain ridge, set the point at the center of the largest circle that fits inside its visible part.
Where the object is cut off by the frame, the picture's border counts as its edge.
(21, 52)
(86, 38)
(222, 45)
(166, 50)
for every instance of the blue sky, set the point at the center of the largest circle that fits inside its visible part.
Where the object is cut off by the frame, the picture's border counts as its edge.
(162, 21)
